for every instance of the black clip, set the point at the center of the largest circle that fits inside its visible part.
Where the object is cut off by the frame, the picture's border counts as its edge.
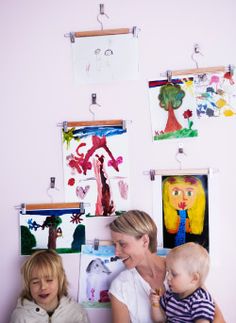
(96, 244)
(152, 173)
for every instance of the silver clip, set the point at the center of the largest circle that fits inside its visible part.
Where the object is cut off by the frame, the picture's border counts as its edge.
(52, 188)
(124, 124)
(135, 31)
(82, 210)
(64, 126)
(102, 13)
(152, 174)
(169, 76)
(71, 35)
(96, 244)
(231, 69)
(94, 102)
(23, 208)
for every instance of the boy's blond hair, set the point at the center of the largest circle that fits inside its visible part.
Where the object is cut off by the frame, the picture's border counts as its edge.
(195, 258)
(50, 264)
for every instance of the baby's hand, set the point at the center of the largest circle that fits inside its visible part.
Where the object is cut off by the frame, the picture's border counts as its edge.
(155, 297)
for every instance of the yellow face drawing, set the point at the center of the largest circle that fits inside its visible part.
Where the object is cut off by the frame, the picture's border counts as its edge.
(182, 196)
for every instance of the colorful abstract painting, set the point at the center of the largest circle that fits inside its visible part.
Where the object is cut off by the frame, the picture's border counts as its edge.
(61, 229)
(97, 270)
(215, 95)
(96, 168)
(105, 58)
(173, 109)
(185, 210)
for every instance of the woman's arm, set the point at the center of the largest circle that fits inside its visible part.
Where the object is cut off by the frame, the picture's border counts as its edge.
(120, 313)
(218, 315)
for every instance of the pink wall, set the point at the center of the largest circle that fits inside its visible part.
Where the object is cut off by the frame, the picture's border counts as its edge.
(37, 92)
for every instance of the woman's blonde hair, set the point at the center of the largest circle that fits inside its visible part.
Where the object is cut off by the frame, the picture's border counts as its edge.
(136, 223)
(50, 264)
(195, 214)
(194, 257)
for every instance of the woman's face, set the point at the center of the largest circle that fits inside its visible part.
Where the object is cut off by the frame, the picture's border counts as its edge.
(129, 249)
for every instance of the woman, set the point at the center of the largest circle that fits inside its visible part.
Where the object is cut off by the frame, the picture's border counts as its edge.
(134, 234)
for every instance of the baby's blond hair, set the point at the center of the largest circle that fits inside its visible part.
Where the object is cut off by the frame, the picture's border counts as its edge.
(195, 258)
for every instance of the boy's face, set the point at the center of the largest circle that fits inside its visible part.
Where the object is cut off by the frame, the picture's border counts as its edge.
(44, 289)
(180, 281)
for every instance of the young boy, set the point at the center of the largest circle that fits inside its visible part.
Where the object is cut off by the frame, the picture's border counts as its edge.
(44, 297)
(186, 300)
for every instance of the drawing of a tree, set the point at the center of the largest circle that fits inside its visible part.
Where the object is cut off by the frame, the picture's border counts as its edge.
(52, 223)
(171, 97)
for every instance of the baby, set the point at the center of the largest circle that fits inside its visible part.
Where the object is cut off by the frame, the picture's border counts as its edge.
(186, 300)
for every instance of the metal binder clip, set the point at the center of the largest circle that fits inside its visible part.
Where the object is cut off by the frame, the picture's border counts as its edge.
(72, 37)
(124, 124)
(135, 31)
(152, 174)
(82, 210)
(169, 76)
(23, 208)
(64, 126)
(96, 244)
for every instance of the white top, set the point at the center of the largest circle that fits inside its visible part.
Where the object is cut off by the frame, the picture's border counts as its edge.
(132, 290)
(68, 311)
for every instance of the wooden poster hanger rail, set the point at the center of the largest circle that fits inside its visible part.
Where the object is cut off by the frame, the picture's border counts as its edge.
(48, 206)
(116, 122)
(102, 32)
(200, 70)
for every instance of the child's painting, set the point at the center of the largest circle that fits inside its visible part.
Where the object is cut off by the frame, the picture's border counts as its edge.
(97, 270)
(215, 95)
(105, 58)
(173, 108)
(56, 228)
(96, 168)
(185, 210)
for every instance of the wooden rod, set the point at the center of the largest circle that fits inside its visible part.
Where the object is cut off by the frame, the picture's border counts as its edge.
(103, 32)
(196, 171)
(52, 206)
(200, 70)
(117, 122)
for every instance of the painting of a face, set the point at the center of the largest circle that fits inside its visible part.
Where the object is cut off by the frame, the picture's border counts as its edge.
(182, 195)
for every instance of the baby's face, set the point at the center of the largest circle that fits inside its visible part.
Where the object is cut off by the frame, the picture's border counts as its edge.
(180, 281)
(44, 289)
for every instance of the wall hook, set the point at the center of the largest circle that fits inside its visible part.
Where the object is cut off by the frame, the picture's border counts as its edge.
(94, 103)
(179, 154)
(52, 188)
(101, 14)
(196, 52)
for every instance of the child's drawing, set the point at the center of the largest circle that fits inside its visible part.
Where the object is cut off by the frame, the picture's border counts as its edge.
(215, 95)
(105, 58)
(185, 210)
(59, 229)
(96, 169)
(97, 270)
(173, 109)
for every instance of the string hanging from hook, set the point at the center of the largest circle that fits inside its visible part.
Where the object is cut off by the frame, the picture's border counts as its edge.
(94, 103)
(101, 14)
